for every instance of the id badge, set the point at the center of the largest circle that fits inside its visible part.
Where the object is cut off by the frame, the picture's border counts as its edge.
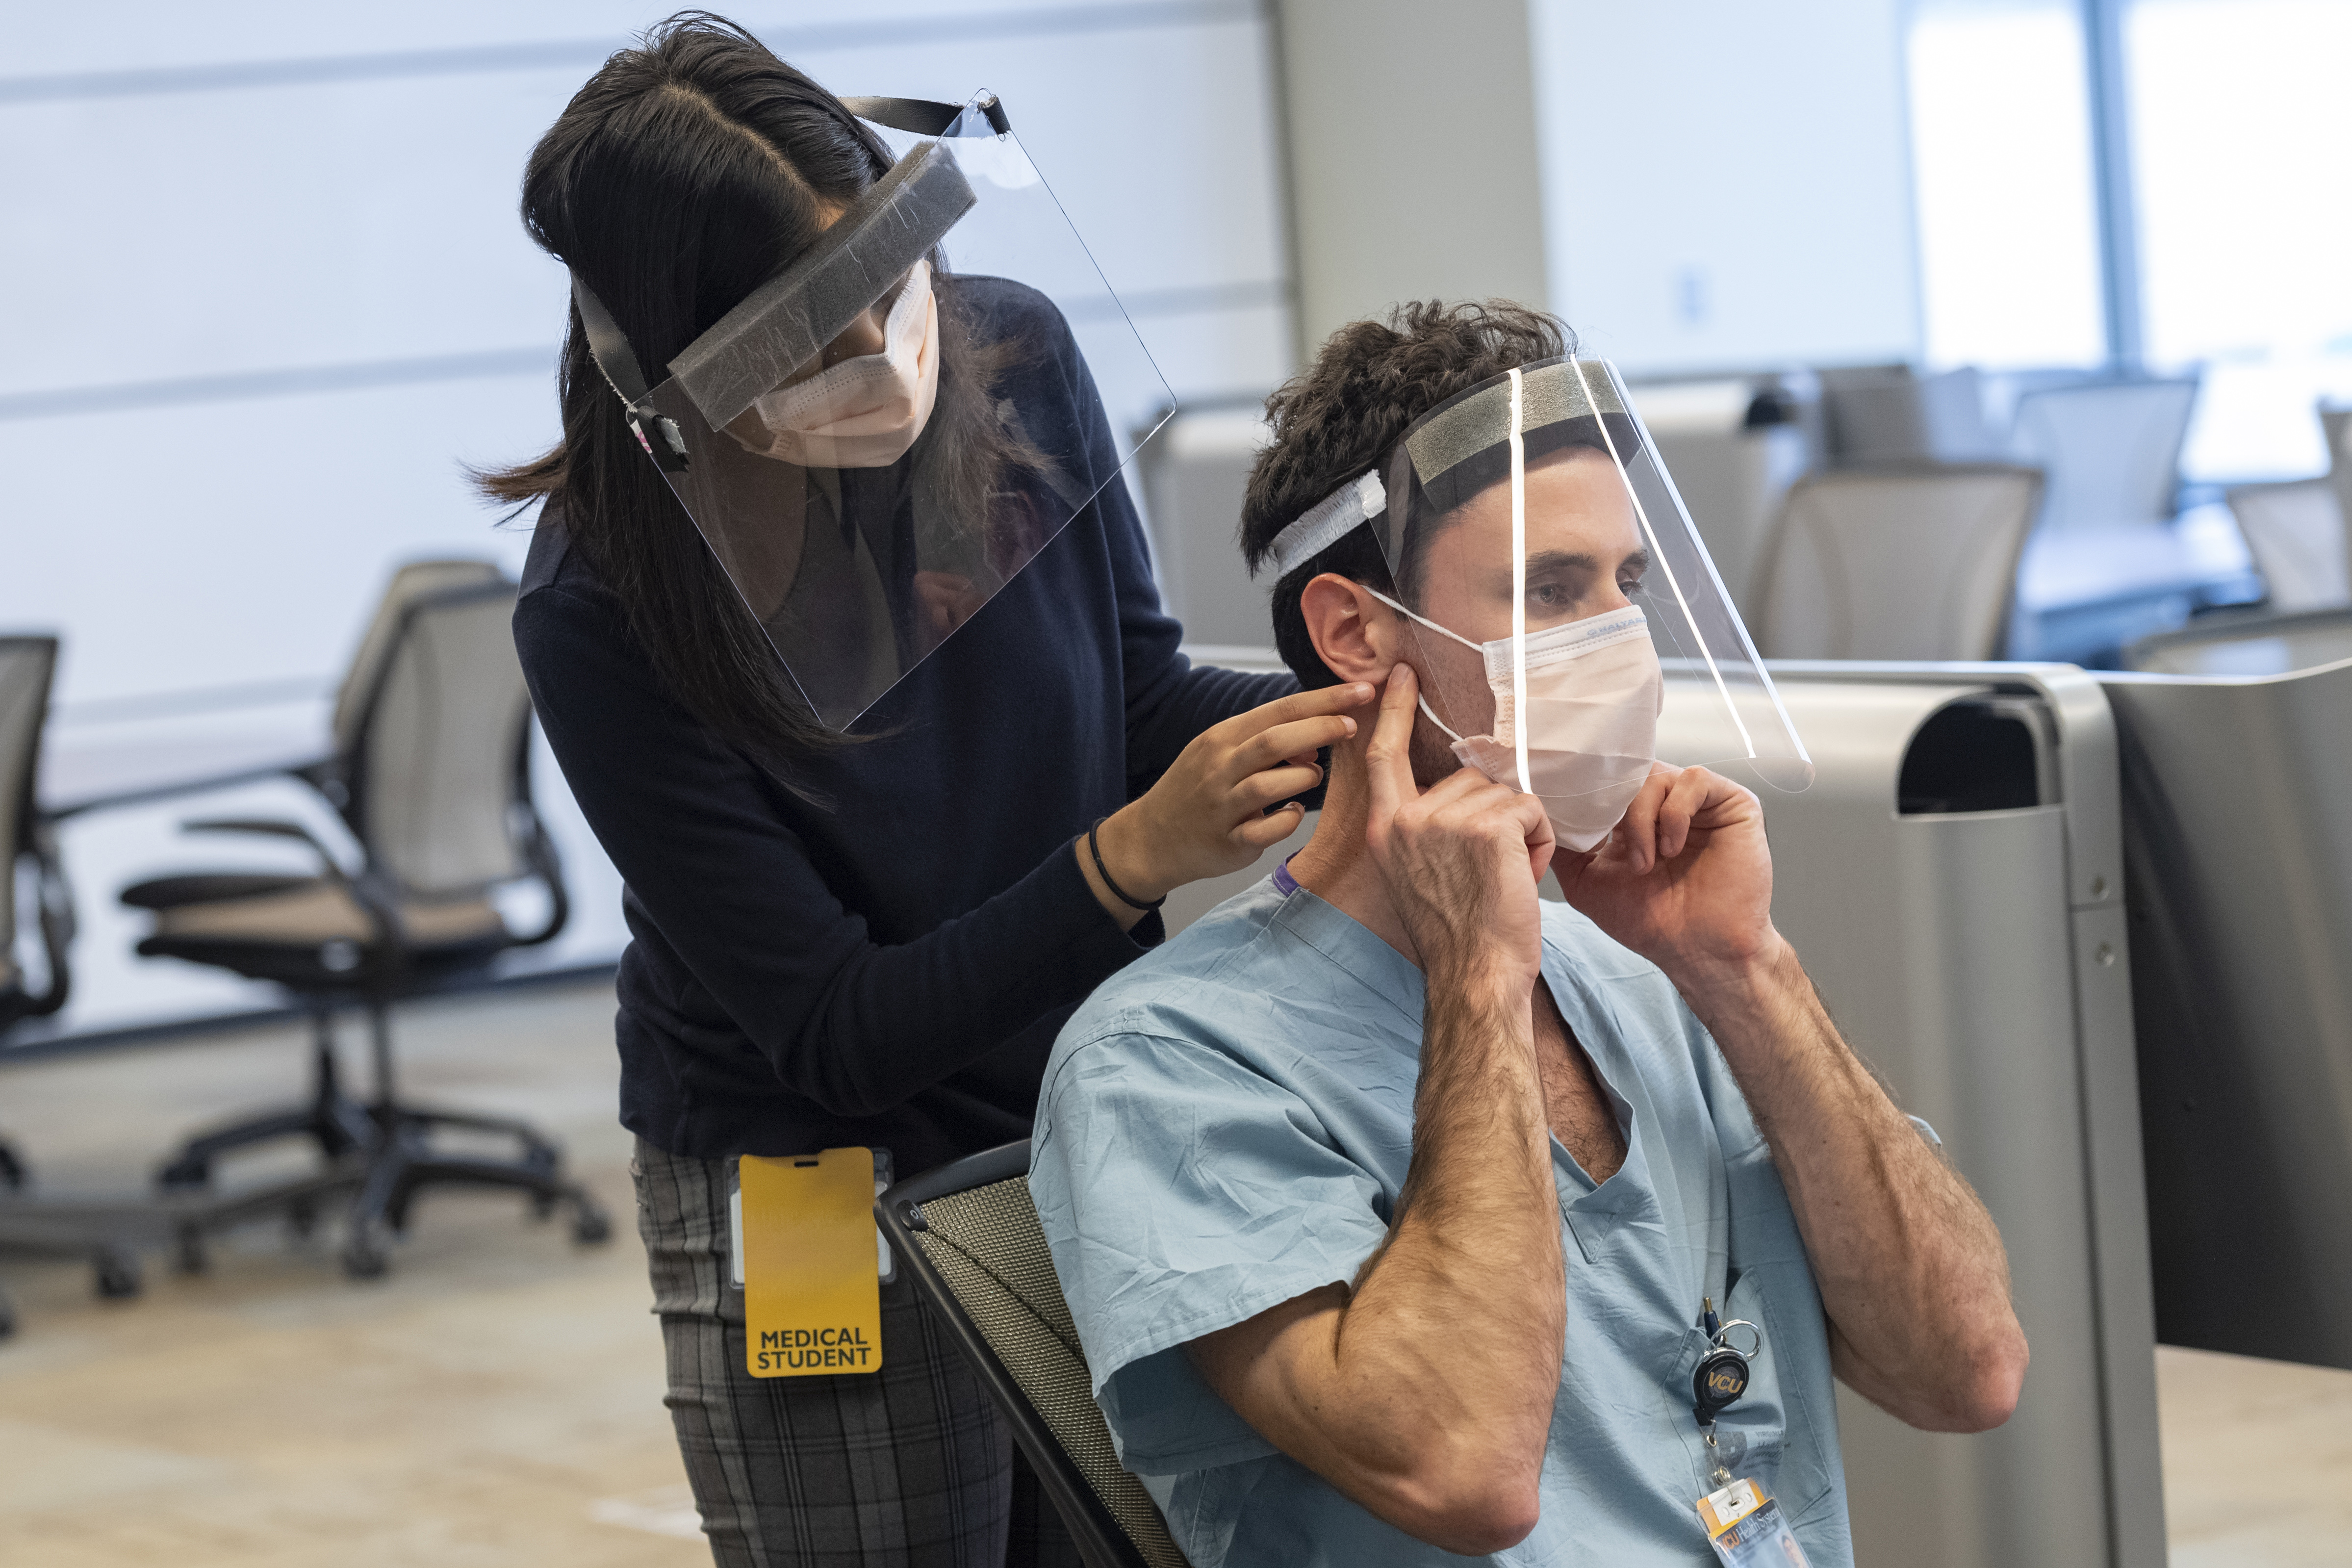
(1746, 1530)
(805, 1255)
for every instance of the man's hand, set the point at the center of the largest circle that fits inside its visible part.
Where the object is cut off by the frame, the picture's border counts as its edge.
(1909, 1266)
(1686, 880)
(1461, 861)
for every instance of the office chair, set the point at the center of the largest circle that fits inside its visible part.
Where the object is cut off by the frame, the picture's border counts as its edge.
(968, 1235)
(1890, 414)
(431, 774)
(27, 664)
(2295, 532)
(1914, 561)
(2111, 449)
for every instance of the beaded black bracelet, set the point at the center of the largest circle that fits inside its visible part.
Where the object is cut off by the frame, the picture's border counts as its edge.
(1104, 872)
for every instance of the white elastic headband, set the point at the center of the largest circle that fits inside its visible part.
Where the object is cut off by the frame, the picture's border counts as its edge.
(1326, 522)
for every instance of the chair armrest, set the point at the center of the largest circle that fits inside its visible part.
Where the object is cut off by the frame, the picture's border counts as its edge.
(328, 866)
(310, 773)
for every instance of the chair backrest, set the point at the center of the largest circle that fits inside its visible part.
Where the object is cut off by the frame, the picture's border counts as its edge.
(2295, 532)
(1889, 413)
(1193, 475)
(411, 583)
(1910, 563)
(27, 667)
(2111, 449)
(971, 1238)
(437, 767)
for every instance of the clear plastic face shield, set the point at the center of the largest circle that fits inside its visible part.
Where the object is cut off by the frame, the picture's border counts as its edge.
(1561, 601)
(858, 441)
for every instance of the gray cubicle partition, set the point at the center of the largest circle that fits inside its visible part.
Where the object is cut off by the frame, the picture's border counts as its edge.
(2238, 842)
(1954, 882)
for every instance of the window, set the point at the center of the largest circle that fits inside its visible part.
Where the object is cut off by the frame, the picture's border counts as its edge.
(2007, 205)
(2239, 175)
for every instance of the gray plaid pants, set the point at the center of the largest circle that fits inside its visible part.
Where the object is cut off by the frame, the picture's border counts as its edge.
(910, 1465)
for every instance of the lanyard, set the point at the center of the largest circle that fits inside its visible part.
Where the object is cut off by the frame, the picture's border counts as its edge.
(1720, 1380)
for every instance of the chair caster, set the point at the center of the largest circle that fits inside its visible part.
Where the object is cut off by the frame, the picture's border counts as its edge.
(364, 1255)
(189, 1254)
(301, 1220)
(542, 1206)
(8, 1321)
(590, 1226)
(115, 1274)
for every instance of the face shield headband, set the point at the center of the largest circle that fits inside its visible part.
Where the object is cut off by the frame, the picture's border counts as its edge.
(1550, 462)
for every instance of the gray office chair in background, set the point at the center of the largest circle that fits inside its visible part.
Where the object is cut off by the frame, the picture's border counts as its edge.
(2111, 449)
(1193, 475)
(2295, 533)
(1890, 414)
(27, 664)
(431, 776)
(1915, 561)
(968, 1235)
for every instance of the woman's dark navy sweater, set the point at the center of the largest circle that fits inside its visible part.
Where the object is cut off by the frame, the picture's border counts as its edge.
(891, 971)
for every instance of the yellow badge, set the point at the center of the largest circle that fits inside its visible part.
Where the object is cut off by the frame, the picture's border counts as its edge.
(812, 1294)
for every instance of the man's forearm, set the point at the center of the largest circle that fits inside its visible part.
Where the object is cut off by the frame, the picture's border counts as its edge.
(1910, 1267)
(1425, 1393)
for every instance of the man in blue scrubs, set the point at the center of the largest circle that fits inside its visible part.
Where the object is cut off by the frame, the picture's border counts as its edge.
(1389, 1198)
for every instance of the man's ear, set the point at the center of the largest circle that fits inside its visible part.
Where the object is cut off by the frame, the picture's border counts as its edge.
(1354, 634)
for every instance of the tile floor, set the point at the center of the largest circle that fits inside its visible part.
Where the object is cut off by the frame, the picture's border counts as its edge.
(497, 1401)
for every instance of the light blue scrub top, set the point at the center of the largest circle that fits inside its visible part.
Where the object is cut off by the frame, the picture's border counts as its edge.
(1226, 1125)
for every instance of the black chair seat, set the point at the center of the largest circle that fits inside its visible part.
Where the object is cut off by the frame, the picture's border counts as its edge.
(311, 934)
(205, 888)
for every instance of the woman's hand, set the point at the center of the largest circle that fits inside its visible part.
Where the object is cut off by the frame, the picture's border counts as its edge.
(1207, 816)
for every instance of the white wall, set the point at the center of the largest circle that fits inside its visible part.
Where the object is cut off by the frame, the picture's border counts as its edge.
(1726, 184)
(273, 293)
(1413, 155)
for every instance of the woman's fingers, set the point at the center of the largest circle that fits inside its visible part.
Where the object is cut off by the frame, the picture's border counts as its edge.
(1318, 703)
(1261, 790)
(1299, 738)
(1263, 832)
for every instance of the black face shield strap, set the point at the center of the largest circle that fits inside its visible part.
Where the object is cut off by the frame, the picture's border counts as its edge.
(657, 433)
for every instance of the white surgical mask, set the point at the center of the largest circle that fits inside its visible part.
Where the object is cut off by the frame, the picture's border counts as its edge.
(1595, 693)
(861, 412)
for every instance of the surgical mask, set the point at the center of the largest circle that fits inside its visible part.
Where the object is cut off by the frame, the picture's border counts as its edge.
(1594, 691)
(861, 412)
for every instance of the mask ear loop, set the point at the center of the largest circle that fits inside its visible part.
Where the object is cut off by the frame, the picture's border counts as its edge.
(1422, 697)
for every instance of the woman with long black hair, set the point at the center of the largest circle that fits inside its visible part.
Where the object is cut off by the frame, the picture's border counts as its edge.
(863, 934)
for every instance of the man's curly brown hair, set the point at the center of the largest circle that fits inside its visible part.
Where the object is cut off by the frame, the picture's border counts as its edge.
(1339, 417)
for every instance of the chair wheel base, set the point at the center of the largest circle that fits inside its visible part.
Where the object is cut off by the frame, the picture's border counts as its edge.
(115, 1275)
(365, 1256)
(590, 1226)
